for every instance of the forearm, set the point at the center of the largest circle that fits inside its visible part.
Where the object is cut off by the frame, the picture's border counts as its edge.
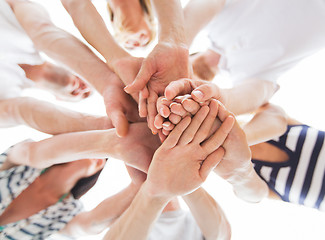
(171, 21)
(247, 185)
(137, 220)
(101, 217)
(60, 45)
(208, 215)
(268, 123)
(255, 93)
(65, 148)
(198, 14)
(92, 27)
(46, 117)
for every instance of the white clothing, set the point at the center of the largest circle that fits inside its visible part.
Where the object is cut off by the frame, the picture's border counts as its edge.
(264, 38)
(15, 48)
(176, 225)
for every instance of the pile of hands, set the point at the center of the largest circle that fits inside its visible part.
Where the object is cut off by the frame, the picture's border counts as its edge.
(198, 134)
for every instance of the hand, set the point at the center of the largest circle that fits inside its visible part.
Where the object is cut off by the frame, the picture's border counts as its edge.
(166, 63)
(185, 159)
(200, 91)
(138, 147)
(120, 107)
(127, 68)
(237, 160)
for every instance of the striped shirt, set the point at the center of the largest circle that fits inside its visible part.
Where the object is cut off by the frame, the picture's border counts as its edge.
(301, 178)
(40, 225)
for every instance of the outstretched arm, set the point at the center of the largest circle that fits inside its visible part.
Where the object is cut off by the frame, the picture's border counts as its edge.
(101, 217)
(65, 48)
(208, 215)
(198, 14)
(268, 122)
(47, 117)
(137, 149)
(92, 27)
(60, 45)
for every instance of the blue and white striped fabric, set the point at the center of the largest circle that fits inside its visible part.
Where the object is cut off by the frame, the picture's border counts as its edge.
(40, 225)
(301, 179)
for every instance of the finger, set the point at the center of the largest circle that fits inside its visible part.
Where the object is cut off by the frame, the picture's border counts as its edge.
(165, 132)
(120, 122)
(152, 111)
(174, 119)
(178, 109)
(217, 139)
(172, 139)
(223, 112)
(163, 106)
(159, 120)
(142, 105)
(162, 137)
(211, 162)
(142, 78)
(179, 87)
(206, 91)
(180, 99)
(191, 106)
(204, 130)
(168, 126)
(196, 122)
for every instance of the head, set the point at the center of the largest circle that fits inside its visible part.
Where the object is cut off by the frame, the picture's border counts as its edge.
(133, 23)
(89, 170)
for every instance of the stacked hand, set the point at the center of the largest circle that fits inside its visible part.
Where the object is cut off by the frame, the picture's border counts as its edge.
(166, 63)
(189, 153)
(237, 156)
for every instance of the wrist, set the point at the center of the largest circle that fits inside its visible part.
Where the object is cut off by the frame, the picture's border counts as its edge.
(152, 195)
(250, 188)
(114, 56)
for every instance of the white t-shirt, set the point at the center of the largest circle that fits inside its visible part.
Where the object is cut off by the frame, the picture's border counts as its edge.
(15, 48)
(176, 225)
(264, 38)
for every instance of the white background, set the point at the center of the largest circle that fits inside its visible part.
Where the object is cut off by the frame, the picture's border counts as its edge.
(302, 96)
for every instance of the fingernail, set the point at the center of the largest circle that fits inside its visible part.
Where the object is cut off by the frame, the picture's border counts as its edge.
(126, 89)
(166, 124)
(161, 111)
(198, 94)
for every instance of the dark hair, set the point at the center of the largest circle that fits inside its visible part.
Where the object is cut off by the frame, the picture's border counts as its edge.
(84, 185)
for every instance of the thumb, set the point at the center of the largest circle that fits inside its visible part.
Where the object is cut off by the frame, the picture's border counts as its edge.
(178, 87)
(211, 162)
(142, 78)
(120, 122)
(205, 92)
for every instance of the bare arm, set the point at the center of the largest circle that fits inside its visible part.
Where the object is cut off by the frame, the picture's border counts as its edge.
(93, 29)
(68, 147)
(208, 215)
(47, 117)
(101, 217)
(270, 121)
(60, 45)
(248, 96)
(198, 14)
